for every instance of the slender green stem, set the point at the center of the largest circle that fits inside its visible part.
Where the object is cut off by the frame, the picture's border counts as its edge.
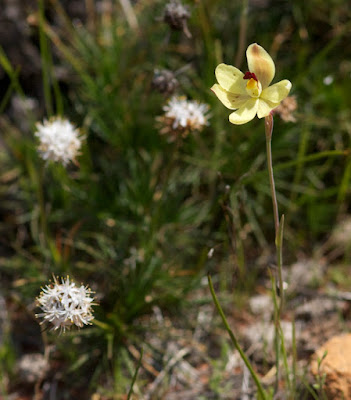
(261, 392)
(257, 175)
(135, 374)
(45, 60)
(279, 229)
(242, 33)
(301, 155)
(36, 174)
(294, 356)
(164, 178)
(345, 183)
(279, 247)
(41, 200)
(279, 226)
(285, 361)
(276, 332)
(269, 131)
(8, 93)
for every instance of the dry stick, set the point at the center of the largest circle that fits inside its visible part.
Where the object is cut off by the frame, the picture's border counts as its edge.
(91, 16)
(130, 14)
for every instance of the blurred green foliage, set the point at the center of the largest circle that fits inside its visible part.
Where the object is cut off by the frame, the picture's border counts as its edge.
(138, 216)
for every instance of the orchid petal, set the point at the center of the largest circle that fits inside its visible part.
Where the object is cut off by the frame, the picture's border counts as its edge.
(265, 107)
(230, 78)
(230, 100)
(277, 92)
(261, 64)
(245, 113)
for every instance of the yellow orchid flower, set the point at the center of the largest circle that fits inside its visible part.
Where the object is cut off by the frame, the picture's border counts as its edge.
(250, 94)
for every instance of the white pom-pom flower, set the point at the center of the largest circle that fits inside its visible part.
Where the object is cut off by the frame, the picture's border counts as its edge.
(186, 113)
(183, 116)
(65, 304)
(59, 140)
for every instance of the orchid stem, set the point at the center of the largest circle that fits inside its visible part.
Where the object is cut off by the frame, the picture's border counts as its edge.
(279, 228)
(269, 130)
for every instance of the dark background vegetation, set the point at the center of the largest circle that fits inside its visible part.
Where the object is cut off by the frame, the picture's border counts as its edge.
(138, 216)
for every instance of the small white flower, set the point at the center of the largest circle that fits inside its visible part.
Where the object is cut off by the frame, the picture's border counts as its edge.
(210, 253)
(59, 140)
(185, 113)
(328, 80)
(64, 304)
(183, 116)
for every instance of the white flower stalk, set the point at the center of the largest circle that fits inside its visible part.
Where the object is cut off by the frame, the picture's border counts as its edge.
(183, 116)
(65, 304)
(59, 140)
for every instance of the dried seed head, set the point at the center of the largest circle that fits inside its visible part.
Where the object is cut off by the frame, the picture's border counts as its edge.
(176, 15)
(286, 109)
(164, 81)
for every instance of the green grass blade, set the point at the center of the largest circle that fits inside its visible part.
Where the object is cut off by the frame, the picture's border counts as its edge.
(135, 374)
(45, 60)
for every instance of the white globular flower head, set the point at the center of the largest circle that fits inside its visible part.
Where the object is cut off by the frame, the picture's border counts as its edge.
(65, 304)
(185, 113)
(59, 140)
(183, 116)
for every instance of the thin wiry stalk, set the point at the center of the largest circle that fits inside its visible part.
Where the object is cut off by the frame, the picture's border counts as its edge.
(269, 130)
(294, 357)
(242, 33)
(261, 392)
(279, 228)
(279, 247)
(135, 374)
(45, 61)
(276, 332)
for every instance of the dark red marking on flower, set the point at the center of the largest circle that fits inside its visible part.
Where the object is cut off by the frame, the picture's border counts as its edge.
(250, 75)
